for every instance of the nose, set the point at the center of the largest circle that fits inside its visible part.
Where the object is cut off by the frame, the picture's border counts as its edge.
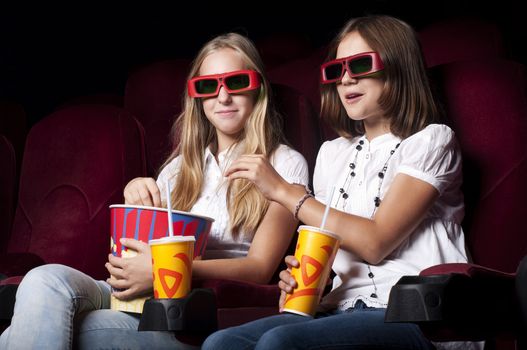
(223, 96)
(347, 79)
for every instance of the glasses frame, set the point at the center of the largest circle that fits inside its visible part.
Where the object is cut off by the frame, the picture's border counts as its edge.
(376, 65)
(254, 82)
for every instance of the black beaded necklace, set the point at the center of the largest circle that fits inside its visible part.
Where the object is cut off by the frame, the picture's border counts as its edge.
(343, 194)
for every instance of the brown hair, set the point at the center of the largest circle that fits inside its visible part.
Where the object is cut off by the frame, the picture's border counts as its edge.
(261, 135)
(406, 99)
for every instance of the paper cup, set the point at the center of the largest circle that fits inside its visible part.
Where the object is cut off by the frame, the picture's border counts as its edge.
(315, 250)
(148, 223)
(172, 266)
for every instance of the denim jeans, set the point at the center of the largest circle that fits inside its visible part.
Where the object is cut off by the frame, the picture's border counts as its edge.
(360, 327)
(58, 307)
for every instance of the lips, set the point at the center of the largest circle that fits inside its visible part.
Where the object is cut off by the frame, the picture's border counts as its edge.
(226, 112)
(352, 97)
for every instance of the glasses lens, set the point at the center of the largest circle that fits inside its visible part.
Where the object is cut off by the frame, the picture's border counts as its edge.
(360, 65)
(206, 86)
(333, 71)
(237, 82)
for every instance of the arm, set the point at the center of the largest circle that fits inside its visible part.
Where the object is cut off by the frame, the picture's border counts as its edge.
(267, 249)
(404, 206)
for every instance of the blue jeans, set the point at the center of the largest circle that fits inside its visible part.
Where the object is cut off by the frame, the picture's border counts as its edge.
(58, 307)
(360, 327)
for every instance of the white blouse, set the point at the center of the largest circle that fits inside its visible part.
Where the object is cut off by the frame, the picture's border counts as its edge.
(431, 155)
(290, 164)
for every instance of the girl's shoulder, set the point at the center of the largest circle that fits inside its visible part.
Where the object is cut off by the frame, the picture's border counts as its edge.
(433, 136)
(286, 153)
(170, 169)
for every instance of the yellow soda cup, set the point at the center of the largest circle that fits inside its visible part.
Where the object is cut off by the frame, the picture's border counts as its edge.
(315, 250)
(172, 266)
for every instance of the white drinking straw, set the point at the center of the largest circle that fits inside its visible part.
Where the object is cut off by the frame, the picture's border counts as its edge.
(330, 191)
(169, 210)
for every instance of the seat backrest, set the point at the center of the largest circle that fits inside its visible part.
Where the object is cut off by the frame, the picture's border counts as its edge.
(7, 189)
(487, 104)
(154, 95)
(76, 163)
(460, 39)
(300, 122)
(13, 125)
(302, 74)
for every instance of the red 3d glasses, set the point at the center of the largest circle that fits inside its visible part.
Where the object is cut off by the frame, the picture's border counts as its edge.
(357, 66)
(233, 82)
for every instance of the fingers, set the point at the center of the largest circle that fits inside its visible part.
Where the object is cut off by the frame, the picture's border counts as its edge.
(142, 191)
(114, 271)
(154, 192)
(287, 283)
(118, 283)
(125, 294)
(140, 247)
(115, 261)
(281, 301)
(291, 261)
(246, 164)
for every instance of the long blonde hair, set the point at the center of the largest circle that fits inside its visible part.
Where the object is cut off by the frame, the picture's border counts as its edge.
(261, 135)
(407, 98)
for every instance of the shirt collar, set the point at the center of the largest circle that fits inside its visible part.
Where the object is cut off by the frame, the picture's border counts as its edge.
(382, 141)
(223, 155)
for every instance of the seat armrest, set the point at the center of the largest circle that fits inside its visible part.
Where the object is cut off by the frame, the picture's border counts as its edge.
(456, 302)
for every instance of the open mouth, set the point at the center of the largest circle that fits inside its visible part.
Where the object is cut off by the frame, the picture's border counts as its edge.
(352, 96)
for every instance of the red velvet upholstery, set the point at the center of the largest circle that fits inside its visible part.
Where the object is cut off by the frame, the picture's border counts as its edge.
(301, 74)
(76, 163)
(13, 125)
(459, 40)
(154, 95)
(486, 102)
(300, 122)
(7, 190)
(240, 302)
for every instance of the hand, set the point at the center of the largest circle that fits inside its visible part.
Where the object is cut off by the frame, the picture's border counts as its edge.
(142, 191)
(257, 169)
(133, 274)
(287, 283)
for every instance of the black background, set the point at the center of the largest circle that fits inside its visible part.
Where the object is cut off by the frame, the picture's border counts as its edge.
(50, 53)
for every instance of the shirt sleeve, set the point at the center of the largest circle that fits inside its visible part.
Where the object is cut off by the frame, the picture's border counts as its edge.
(320, 176)
(432, 155)
(169, 172)
(291, 165)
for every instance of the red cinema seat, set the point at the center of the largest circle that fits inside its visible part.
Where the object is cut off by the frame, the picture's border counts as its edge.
(154, 95)
(460, 40)
(76, 163)
(486, 102)
(7, 190)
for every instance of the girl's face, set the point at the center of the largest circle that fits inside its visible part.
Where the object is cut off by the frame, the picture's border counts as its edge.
(228, 113)
(359, 96)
